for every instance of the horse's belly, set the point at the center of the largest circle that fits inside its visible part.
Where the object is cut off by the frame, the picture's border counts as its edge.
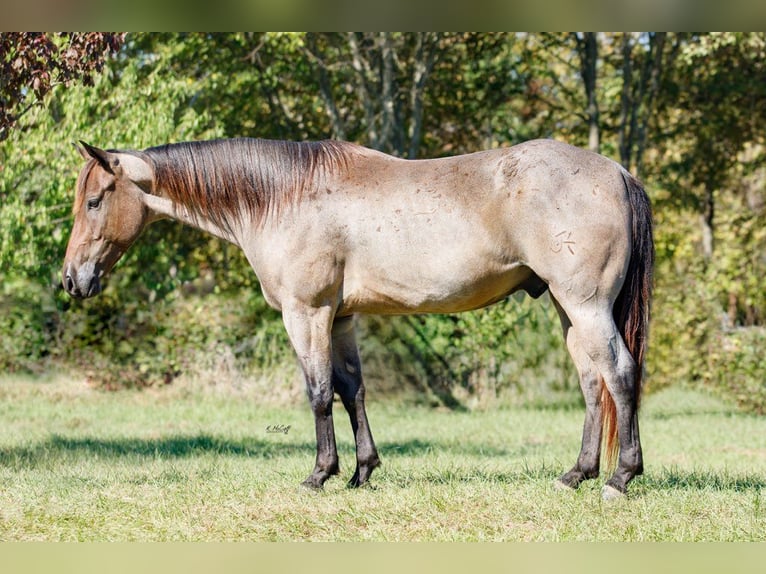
(421, 290)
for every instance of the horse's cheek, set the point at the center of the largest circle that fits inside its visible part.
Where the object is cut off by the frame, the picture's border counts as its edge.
(125, 227)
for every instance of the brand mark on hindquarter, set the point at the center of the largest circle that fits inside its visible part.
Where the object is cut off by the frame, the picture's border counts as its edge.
(561, 240)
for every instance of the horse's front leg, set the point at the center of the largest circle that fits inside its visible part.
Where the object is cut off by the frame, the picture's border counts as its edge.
(309, 329)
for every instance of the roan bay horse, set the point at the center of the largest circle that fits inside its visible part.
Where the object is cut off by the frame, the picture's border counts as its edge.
(333, 229)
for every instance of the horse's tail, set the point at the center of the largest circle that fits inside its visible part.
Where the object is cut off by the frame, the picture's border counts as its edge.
(631, 309)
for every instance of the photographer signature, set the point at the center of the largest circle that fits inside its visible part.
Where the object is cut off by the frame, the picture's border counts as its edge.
(278, 429)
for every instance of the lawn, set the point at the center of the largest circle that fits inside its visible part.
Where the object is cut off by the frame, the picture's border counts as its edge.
(178, 463)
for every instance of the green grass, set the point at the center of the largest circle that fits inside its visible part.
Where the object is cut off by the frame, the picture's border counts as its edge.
(192, 464)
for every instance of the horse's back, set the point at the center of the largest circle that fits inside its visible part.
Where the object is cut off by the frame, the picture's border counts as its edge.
(452, 234)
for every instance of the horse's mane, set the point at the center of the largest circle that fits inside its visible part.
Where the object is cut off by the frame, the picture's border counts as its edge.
(223, 180)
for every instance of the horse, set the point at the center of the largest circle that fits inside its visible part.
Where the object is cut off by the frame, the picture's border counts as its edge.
(333, 229)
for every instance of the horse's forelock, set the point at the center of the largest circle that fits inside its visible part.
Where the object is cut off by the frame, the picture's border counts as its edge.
(82, 180)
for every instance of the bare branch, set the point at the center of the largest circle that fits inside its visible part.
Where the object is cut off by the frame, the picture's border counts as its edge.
(425, 56)
(388, 91)
(362, 68)
(325, 89)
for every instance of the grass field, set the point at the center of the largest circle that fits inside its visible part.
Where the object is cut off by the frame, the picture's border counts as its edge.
(192, 464)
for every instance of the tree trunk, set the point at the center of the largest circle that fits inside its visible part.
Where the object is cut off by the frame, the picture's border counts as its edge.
(588, 49)
(325, 87)
(422, 65)
(656, 49)
(362, 68)
(707, 220)
(637, 102)
(390, 76)
(625, 136)
(388, 125)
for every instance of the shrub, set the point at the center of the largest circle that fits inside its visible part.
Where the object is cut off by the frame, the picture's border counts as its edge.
(736, 369)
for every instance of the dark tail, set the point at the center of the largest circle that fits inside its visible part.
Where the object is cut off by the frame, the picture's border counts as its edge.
(631, 310)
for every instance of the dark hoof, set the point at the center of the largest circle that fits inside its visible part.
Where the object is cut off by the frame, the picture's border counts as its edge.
(572, 479)
(362, 475)
(361, 478)
(313, 483)
(363, 486)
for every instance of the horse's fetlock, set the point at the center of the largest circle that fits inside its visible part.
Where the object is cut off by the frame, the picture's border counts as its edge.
(572, 479)
(591, 473)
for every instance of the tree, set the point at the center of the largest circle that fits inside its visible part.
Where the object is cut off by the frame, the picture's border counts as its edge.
(719, 93)
(685, 111)
(390, 72)
(32, 64)
(644, 58)
(416, 94)
(587, 48)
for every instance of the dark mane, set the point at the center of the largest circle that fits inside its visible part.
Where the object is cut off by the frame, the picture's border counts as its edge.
(223, 180)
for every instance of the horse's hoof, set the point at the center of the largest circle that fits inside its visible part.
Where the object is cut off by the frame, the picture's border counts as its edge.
(609, 493)
(562, 486)
(356, 483)
(363, 486)
(312, 486)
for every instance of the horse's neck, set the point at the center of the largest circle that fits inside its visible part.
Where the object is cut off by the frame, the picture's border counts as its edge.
(162, 207)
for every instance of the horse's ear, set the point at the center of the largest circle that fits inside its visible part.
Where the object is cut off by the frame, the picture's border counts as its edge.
(81, 150)
(108, 161)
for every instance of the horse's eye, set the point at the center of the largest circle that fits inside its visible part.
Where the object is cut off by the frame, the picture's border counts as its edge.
(94, 203)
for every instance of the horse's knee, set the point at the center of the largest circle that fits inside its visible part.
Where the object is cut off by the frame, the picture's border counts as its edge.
(320, 397)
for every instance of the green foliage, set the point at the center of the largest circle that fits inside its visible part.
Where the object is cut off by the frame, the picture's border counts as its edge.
(736, 368)
(118, 336)
(215, 337)
(707, 327)
(25, 311)
(512, 351)
(688, 109)
(32, 63)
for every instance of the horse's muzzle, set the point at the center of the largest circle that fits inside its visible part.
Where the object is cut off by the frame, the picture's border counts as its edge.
(82, 283)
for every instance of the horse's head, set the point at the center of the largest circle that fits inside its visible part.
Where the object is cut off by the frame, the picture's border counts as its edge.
(109, 214)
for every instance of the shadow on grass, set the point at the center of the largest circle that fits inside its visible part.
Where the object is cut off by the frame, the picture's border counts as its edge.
(676, 479)
(465, 475)
(61, 449)
(56, 448)
(419, 447)
(691, 412)
(666, 481)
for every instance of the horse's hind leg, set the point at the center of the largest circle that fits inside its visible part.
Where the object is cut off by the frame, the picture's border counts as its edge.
(598, 337)
(347, 380)
(587, 465)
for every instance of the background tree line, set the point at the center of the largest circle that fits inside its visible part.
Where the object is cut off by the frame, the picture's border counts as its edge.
(685, 112)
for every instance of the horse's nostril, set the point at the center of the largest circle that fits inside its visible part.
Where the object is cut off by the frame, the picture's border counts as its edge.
(95, 287)
(69, 283)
